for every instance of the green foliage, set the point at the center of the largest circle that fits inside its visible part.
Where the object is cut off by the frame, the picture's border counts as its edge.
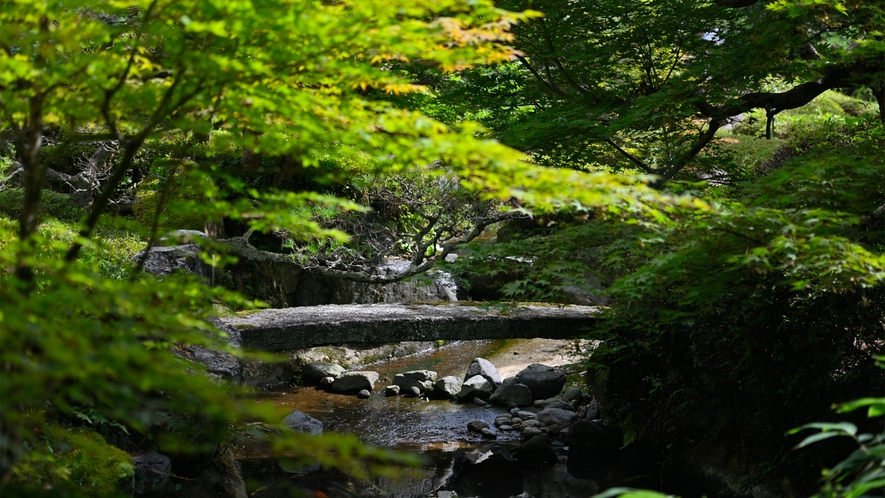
(826, 107)
(723, 332)
(150, 196)
(54, 204)
(733, 297)
(294, 83)
(860, 474)
(749, 153)
(863, 471)
(643, 85)
(631, 493)
(78, 461)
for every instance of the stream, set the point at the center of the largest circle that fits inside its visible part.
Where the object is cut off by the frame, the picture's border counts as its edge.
(457, 462)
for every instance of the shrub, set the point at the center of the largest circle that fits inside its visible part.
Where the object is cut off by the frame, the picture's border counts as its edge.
(53, 204)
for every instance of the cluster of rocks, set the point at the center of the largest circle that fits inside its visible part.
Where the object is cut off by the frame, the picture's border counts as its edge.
(536, 406)
(334, 378)
(537, 387)
(551, 421)
(481, 384)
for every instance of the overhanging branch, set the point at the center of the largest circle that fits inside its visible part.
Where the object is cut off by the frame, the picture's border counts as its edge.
(838, 76)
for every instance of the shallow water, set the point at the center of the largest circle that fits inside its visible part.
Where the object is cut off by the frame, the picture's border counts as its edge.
(461, 460)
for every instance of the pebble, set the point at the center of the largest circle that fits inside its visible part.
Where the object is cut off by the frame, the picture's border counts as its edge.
(326, 382)
(516, 421)
(477, 426)
(391, 390)
(363, 394)
(525, 415)
(479, 401)
(506, 428)
(413, 391)
(488, 433)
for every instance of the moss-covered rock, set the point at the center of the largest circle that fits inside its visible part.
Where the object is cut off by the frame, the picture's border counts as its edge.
(76, 462)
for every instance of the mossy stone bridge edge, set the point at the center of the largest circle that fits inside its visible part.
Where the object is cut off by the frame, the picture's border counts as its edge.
(283, 329)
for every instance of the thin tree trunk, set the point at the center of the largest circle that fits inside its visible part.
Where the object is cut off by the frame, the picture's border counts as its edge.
(28, 150)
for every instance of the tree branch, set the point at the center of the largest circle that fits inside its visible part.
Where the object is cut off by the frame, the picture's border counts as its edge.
(648, 169)
(551, 48)
(553, 88)
(684, 159)
(835, 77)
(420, 263)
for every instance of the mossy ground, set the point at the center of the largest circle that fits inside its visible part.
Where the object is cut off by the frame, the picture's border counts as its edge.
(77, 462)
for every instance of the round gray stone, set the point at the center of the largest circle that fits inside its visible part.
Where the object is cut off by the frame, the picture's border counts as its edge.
(477, 426)
(317, 370)
(302, 422)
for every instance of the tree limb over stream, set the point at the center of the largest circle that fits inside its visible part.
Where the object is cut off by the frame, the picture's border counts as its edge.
(433, 243)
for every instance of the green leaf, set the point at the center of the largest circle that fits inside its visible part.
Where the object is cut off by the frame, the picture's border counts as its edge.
(841, 427)
(631, 493)
(817, 437)
(876, 406)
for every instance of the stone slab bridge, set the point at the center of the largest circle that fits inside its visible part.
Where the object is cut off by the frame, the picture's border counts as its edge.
(283, 329)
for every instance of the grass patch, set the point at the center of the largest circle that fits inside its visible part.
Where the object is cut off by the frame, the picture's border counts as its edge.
(109, 252)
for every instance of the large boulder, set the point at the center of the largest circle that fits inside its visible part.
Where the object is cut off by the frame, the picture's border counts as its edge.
(164, 260)
(421, 379)
(314, 371)
(483, 367)
(268, 375)
(355, 381)
(512, 394)
(447, 387)
(302, 422)
(476, 387)
(219, 365)
(544, 381)
(556, 419)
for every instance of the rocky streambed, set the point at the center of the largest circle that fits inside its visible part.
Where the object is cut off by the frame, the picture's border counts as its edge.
(495, 418)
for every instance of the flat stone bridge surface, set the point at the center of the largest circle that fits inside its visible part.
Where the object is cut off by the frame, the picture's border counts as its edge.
(283, 329)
